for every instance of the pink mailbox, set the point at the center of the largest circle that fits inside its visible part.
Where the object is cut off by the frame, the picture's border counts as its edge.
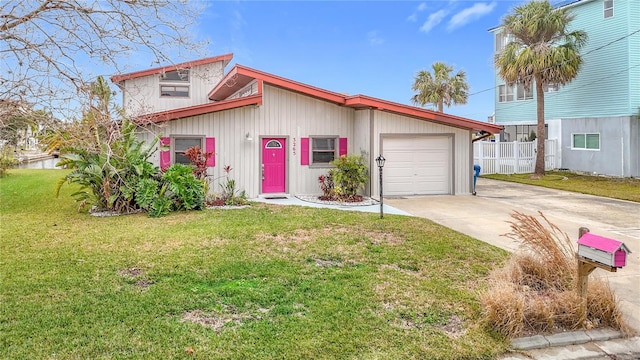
(603, 250)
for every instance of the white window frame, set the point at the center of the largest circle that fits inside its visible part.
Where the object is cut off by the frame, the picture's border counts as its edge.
(585, 135)
(172, 91)
(505, 93)
(175, 150)
(551, 87)
(501, 40)
(607, 10)
(181, 76)
(313, 151)
(522, 93)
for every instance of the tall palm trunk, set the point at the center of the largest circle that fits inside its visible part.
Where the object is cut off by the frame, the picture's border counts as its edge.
(539, 171)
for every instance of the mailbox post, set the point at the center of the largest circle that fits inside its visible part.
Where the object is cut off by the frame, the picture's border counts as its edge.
(596, 252)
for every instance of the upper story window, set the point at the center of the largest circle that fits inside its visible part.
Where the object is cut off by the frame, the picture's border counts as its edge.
(511, 92)
(608, 8)
(585, 141)
(175, 76)
(323, 150)
(502, 39)
(174, 91)
(524, 92)
(505, 93)
(551, 87)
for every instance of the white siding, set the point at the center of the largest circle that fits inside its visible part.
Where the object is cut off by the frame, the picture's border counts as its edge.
(142, 95)
(288, 113)
(388, 123)
(294, 116)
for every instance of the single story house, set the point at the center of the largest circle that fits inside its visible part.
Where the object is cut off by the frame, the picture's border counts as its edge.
(279, 135)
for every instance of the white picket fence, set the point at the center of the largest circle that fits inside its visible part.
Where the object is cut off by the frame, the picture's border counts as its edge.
(512, 157)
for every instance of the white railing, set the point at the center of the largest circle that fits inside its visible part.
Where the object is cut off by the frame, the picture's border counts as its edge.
(511, 157)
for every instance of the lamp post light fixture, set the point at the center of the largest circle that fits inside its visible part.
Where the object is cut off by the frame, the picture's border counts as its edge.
(380, 162)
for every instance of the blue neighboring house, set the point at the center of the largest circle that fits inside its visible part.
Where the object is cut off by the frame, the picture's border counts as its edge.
(594, 119)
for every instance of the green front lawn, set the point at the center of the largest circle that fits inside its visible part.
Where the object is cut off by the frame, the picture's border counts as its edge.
(263, 282)
(617, 188)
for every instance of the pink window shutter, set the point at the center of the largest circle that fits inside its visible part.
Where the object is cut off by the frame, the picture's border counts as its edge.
(165, 153)
(342, 149)
(210, 146)
(304, 151)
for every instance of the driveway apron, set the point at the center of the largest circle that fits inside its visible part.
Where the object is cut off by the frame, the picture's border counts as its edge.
(487, 217)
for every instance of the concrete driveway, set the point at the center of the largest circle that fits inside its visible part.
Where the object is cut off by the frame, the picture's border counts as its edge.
(486, 216)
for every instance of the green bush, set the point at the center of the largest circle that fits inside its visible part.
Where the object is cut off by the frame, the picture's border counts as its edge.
(349, 176)
(7, 161)
(186, 191)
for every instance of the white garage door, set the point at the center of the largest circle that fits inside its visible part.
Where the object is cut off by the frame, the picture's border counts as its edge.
(417, 165)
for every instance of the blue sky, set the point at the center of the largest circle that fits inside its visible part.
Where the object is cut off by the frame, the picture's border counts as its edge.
(373, 48)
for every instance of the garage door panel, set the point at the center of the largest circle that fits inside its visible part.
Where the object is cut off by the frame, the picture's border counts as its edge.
(417, 165)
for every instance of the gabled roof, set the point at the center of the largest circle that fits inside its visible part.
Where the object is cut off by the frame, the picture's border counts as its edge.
(240, 76)
(116, 79)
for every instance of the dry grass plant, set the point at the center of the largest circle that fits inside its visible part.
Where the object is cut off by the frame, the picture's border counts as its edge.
(536, 291)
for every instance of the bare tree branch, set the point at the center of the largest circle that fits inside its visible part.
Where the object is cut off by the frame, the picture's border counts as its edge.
(51, 50)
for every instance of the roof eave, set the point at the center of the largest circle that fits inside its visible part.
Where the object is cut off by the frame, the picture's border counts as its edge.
(226, 58)
(196, 110)
(445, 119)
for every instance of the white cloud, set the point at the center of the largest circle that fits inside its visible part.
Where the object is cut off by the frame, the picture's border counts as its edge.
(374, 38)
(433, 20)
(414, 17)
(470, 14)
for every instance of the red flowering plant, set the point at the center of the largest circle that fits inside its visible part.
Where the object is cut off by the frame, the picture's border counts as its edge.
(198, 159)
(326, 185)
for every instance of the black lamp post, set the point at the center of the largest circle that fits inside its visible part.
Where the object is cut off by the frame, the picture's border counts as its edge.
(380, 161)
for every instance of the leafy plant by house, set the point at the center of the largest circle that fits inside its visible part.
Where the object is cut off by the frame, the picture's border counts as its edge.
(112, 165)
(327, 187)
(349, 177)
(183, 188)
(198, 159)
(229, 194)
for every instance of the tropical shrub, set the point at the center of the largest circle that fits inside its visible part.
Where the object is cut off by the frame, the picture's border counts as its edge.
(349, 176)
(198, 159)
(327, 187)
(229, 195)
(183, 188)
(109, 179)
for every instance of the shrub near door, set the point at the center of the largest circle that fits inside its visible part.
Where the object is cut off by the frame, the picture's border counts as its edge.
(349, 176)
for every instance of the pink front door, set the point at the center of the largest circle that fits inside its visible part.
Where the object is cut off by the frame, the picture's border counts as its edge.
(274, 165)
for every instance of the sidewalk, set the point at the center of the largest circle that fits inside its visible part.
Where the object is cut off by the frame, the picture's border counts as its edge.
(292, 200)
(577, 345)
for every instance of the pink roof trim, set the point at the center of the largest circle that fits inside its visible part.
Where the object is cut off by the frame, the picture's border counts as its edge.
(202, 109)
(240, 76)
(602, 243)
(185, 65)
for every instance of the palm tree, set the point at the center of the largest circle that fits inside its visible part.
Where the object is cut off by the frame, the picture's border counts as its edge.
(543, 51)
(440, 88)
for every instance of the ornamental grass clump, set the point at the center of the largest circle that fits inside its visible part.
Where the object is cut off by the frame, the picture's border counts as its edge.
(536, 291)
